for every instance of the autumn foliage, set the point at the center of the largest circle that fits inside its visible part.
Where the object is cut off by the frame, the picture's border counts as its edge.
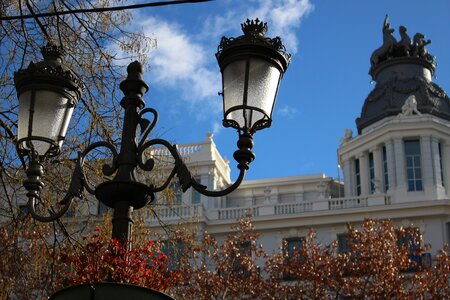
(380, 261)
(109, 261)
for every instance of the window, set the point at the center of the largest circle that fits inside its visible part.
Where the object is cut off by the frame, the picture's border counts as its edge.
(178, 193)
(413, 165)
(240, 268)
(385, 170)
(448, 232)
(371, 173)
(343, 244)
(293, 245)
(173, 250)
(291, 250)
(195, 196)
(347, 245)
(357, 177)
(410, 239)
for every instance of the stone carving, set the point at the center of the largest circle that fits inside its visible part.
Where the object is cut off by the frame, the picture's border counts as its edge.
(404, 48)
(323, 189)
(376, 186)
(389, 42)
(209, 136)
(348, 135)
(267, 192)
(410, 107)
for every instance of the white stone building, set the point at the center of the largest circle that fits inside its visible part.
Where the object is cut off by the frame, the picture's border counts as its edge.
(396, 167)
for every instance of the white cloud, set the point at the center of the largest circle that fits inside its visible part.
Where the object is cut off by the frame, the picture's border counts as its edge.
(217, 127)
(286, 111)
(283, 18)
(183, 59)
(178, 61)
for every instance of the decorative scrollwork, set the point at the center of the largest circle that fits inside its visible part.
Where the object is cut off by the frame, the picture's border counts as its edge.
(34, 185)
(150, 162)
(146, 125)
(107, 169)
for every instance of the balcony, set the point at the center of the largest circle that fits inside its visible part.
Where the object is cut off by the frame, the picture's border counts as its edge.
(198, 212)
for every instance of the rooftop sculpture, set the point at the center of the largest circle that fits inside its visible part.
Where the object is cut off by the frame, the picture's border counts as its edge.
(403, 71)
(406, 47)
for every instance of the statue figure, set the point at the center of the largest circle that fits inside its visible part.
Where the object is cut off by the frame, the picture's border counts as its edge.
(410, 107)
(419, 44)
(348, 134)
(403, 47)
(389, 43)
(419, 49)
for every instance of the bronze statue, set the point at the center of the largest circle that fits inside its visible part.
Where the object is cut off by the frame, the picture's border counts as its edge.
(404, 48)
(389, 42)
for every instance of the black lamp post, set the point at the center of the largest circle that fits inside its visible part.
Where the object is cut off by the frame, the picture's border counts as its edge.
(251, 65)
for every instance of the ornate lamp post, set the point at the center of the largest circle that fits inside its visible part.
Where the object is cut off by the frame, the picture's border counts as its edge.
(251, 65)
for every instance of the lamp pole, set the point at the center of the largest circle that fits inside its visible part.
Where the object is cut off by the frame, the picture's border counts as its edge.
(252, 66)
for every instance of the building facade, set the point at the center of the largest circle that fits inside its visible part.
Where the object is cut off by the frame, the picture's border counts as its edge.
(396, 167)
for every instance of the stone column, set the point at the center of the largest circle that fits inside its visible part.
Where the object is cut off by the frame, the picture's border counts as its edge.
(348, 186)
(378, 166)
(390, 157)
(436, 158)
(438, 165)
(210, 183)
(427, 162)
(446, 164)
(364, 173)
(400, 168)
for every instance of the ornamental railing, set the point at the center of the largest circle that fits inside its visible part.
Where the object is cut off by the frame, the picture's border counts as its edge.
(199, 212)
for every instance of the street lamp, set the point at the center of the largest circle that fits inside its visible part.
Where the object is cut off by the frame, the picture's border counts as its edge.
(251, 65)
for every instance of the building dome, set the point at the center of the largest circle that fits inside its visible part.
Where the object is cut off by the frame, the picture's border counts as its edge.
(402, 69)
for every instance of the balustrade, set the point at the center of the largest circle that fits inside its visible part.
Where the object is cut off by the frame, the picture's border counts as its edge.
(186, 212)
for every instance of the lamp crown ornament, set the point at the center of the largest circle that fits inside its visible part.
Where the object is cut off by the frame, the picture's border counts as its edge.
(254, 35)
(52, 67)
(52, 51)
(254, 27)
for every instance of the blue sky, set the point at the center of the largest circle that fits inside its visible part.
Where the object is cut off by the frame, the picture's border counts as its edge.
(322, 92)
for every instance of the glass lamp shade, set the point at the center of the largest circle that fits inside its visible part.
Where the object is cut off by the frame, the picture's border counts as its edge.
(252, 67)
(43, 120)
(249, 90)
(48, 92)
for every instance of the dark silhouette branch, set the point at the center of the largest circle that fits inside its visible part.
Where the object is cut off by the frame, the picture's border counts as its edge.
(101, 9)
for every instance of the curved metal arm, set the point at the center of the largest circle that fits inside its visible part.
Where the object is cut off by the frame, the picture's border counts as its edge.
(53, 216)
(148, 165)
(244, 156)
(146, 125)
(202, 189)
(108, 170)
(34, 185)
